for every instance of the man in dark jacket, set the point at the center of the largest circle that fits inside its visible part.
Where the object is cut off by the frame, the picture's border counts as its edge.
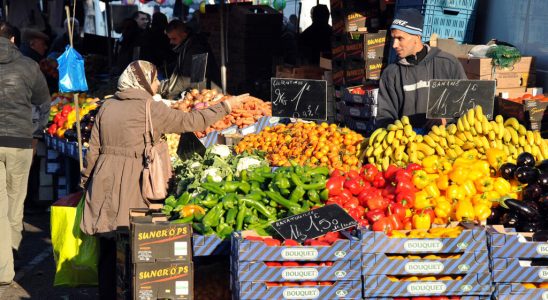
(22, 86)
(403, 87)
(316, 39)
(186, 44)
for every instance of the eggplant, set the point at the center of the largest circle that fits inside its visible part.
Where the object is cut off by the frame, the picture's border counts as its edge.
(527, 174)
(543, 202)
(522, 208)
(496, 215)
(541, 236)
(543, 181)
(542, 262)
(543, 166)
(525, 159)
(527, 226)
(507, 170)
(532, 192)
(509, 219)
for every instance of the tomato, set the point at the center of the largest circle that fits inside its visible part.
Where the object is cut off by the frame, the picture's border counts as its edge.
(369, 171)
(309, 283)
(272, 242)
(273, 264)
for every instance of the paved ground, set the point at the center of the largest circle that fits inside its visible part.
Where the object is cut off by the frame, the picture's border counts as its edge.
(34, 278)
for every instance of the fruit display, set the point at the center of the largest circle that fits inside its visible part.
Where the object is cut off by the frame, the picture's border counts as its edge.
(64, 117)
(399, 144)
(525, 214)
(307, 144)
(172, 140)
(539, 97)
(194, 99)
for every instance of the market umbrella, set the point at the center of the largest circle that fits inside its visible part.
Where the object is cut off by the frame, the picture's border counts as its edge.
(72, 78)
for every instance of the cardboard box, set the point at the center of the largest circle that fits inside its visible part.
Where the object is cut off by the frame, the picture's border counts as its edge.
(483, 66)
(163, 280)
(507, 243)
(341, 290)
(451, 46)
(374, 69)
(356, 21)
(160, 241)
(510, 270)
(516, 291)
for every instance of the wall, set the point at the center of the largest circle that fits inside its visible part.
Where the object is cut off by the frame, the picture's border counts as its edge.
(523, 23)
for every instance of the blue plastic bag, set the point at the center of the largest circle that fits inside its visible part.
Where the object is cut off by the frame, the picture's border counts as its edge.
(72, 76)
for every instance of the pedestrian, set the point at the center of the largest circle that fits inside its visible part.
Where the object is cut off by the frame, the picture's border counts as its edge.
(34, 44)
(187, 44)
(403, 87)
(128, 46)
(23, 86)
(114, 161)
(142, 19)
(316, 39)
(156, 48)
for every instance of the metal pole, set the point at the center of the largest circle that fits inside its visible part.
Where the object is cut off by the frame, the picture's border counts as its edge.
(109, 34)
(223, 49)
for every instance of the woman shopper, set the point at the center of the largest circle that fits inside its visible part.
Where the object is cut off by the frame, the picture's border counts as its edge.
(114, 162)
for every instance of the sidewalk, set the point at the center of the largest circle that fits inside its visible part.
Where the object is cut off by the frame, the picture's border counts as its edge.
(34, 278)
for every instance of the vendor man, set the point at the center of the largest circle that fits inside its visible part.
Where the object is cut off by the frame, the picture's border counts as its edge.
(403, 87)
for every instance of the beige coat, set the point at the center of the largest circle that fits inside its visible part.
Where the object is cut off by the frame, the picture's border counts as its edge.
(115, 156)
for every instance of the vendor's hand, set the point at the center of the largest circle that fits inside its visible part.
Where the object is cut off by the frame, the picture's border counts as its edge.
(234, 102)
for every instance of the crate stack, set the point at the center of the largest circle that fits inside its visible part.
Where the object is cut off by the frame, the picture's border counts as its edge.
(260, 271)
(154, 260)
(518, 265)
(448, 19)
(455, 266)
(360, 53)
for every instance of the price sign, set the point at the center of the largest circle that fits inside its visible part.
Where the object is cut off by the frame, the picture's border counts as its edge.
(314, 223)
(199, 66)
(299, 98)
(450, 99)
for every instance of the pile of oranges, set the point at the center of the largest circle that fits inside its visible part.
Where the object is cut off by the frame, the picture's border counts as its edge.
(306, 144)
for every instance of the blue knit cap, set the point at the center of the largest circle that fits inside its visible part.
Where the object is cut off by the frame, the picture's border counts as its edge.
(408, 20)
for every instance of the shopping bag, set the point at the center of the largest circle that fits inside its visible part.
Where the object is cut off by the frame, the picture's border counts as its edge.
(72, 76)
(75, 253)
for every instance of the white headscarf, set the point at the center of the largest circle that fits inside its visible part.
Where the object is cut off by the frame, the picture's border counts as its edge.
(140, 75)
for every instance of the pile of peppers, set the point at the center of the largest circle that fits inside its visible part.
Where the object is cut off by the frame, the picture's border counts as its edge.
(251, 202)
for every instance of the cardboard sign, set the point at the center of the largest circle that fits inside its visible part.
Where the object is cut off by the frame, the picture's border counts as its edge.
(199, 66)
(451, 98)
(299, 98)
(314, 223)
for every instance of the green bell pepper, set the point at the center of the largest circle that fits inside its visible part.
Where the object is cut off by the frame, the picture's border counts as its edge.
(214, 188)
(213, 216)
(297, 194)
(240, 217)
(313, 196)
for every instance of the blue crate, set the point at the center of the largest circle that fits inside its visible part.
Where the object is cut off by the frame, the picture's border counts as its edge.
(473, 284)
(380, 264)
(509, 270)
(258, 271)
(54, 142)
(516, 291)
(62, 146)
(206, 245)
(341, 290)
(506, 243)
(47, 140)
(246, 250)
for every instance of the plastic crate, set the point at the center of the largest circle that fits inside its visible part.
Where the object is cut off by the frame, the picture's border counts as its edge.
(370, 96)
(259, 271)
(259, 125)
(380, 264)
(360, 111)
(506, 243)
(206, 245)
(473, 284)
(512, 270)
(62, 146)
(516, 291)
(246, 250)
(470, 240)
(249, 290)
(460, 298)
(54, 142)
(447, 24)
(210, 139)
(47, 140)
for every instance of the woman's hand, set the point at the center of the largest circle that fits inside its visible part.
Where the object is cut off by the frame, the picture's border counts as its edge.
(234, 102)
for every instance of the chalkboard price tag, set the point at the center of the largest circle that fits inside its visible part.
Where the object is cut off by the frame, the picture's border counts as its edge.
(451, 98)
(314, 223)
(199, 66)
(299, 98)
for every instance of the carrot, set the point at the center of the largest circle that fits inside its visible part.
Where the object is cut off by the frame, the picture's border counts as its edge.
(248, 121)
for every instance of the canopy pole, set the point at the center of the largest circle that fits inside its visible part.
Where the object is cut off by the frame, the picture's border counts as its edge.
(223, 49)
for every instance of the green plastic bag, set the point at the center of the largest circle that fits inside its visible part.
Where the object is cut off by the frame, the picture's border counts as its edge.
(76, 254)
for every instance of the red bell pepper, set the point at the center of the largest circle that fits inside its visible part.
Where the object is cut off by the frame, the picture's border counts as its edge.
(335, 185)
(354, 185)
(383, 224)
(397, 209)
(413, 167)
(407, 199)
(379, 181)
(390, 173)
(374, 215)
(369, 171)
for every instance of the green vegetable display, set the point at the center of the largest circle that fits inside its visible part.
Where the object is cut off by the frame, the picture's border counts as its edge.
(252, 199)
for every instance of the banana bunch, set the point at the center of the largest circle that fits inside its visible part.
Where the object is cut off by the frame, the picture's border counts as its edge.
(398, 144)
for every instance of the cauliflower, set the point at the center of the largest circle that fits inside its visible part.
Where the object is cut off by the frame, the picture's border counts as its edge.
(214, 172)
(195, 165)
(221, 150)
(247, 162)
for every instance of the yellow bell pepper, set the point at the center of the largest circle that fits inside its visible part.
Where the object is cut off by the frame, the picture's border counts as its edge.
(421, 179)
(432, 190)
(502, 186)
(445, 166)
(422, 200)
(482, 166)
(430, 164)
(482, 212)
(458, 175)
(484, 184)
(454, 193)
(496, 157)
(469, 188)
(442, 209)
(421, 221)
(443, 182)
(464, 210)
